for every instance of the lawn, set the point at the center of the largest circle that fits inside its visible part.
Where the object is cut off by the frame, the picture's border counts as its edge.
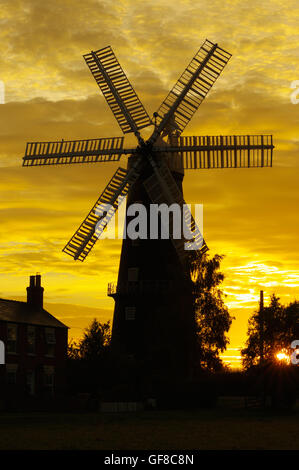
(200, 429)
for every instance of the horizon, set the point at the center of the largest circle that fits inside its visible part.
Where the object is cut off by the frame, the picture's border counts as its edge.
(67, 313)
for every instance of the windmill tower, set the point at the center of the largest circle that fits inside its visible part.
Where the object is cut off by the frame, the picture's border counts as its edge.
(152, 316)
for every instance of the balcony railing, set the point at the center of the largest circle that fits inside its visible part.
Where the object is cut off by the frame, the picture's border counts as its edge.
(142, 287)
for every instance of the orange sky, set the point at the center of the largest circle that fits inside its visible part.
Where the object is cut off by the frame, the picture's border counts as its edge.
(250, 216)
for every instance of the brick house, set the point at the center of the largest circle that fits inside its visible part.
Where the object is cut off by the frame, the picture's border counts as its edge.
(35, 345)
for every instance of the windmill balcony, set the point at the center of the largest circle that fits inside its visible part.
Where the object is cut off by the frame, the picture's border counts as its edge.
(141, 287)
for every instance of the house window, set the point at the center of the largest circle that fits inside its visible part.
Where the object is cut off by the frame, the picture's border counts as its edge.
(130, 313)
(31, 339)
(11, 373)
(30, 381)
(49, 373)
(12, 334)
(133, 274)
(50, 341)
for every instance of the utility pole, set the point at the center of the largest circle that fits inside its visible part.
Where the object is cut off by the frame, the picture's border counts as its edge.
(261, 326)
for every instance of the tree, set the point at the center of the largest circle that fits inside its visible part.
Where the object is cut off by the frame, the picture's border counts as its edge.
(95, 342)
(212, 319)
(89, 362)
(290, 330)
(279, 330)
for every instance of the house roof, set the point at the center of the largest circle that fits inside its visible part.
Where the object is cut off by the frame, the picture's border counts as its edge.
(21, 312)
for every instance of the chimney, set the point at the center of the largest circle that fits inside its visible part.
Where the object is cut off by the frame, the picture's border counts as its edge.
(35, 292)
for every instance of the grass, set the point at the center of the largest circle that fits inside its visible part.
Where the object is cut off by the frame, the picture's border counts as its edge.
(149, 430)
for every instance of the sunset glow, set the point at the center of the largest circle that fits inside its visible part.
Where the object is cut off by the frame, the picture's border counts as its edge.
(250, 216)
(283, 357)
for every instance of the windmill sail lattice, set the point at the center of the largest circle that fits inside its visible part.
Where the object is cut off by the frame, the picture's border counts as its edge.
(228, 151)
(98, 218)
(73, 151)
(118, 91)
(191, 88)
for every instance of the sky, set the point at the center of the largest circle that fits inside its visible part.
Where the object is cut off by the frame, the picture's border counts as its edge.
(250, 215)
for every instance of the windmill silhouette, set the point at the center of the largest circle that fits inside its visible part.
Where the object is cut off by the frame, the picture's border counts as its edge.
(152, 317)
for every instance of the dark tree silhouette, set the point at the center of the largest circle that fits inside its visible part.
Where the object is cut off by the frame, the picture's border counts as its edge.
(212, 318)
(279, 330)
(94, 344)
(88, 362)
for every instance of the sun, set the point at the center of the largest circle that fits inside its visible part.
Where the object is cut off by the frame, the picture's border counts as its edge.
(282, 357)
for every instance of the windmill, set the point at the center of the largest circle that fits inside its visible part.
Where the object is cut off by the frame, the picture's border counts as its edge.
(152, 293)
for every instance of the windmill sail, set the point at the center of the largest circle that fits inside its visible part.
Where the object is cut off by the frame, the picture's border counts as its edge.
(191, 88)
(73, 151)
(98, 218)
(232, 151)
(118, 91)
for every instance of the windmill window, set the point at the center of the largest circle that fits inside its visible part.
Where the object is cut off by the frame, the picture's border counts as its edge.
(130, 313)
(133, 274)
